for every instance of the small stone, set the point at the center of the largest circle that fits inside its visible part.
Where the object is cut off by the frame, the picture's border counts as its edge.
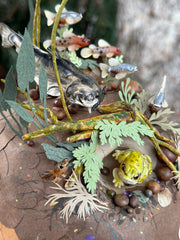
(105, 171)
(129, 210)
(148, 193)
(111, 193)
(133, 201)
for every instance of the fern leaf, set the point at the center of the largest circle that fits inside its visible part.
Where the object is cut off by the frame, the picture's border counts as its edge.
(113, 133)
(92, 162)
(143, 100)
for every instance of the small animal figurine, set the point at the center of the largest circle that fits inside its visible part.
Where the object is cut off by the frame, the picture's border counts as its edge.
(134, 167)
(104, 49)
(67, 17)
(116, 69)
(69, 41)
(58, 172)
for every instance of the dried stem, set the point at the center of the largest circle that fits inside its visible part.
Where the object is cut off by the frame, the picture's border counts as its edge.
(37, 24)
(53, 47)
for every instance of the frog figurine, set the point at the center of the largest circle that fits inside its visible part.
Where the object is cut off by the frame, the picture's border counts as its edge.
(134, 167)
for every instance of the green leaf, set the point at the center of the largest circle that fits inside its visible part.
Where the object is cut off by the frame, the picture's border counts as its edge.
(20, 111)
(31, 19)
(56, 154)
(25, 63)
(10, 89)
(124, 95)
(92, 162)
(42, 83)
(113, 133)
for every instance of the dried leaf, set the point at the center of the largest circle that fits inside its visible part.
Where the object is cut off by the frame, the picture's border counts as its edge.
(80, 200)
(143, 100)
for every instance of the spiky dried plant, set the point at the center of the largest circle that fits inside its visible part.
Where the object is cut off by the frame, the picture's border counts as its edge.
(79, 197)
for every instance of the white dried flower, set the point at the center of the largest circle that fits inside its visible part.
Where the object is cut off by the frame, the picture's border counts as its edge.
(79, 197)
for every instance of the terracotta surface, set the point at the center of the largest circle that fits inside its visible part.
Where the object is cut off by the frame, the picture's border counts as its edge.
(23, 194)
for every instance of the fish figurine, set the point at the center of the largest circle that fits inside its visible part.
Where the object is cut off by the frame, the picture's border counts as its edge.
(134, 167)
(67, 17)
(104, 49)
(159, 100)
(58, 172)
(78, 87)
(69, 41)
(116, 69)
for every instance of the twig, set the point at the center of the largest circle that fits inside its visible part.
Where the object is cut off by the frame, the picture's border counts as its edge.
(53, 47)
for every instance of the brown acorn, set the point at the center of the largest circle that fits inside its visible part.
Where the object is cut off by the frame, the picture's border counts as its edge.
(73, 108)
(59, 112)
(57, 102)
(121, 200)
(133, 201)
(170, 155)
(34, 94)
(164, 173)
(154, 186)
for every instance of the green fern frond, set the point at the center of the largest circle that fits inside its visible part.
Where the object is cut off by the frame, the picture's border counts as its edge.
(112, 133)
(124, 94)
(92, 162)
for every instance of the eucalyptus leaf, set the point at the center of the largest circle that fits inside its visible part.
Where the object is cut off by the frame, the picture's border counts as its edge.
(25, 63)
(56, 154)
(31, 19)
(10, 89)
(42, 83)
(3, 105)
(20, 111)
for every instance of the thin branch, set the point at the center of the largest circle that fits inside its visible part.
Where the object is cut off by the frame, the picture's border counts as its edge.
(53, 47)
